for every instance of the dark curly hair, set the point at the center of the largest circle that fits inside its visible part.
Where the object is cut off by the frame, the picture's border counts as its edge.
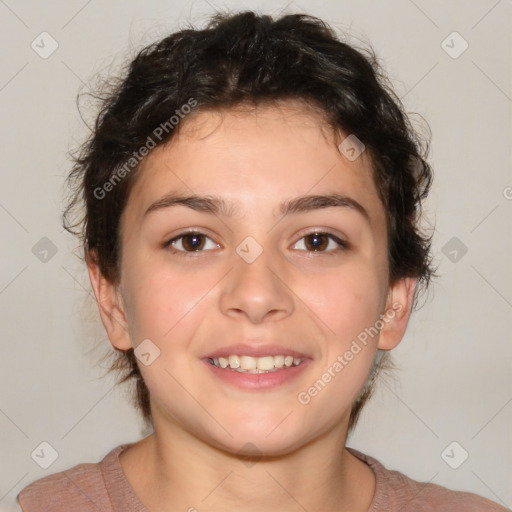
(246, 58)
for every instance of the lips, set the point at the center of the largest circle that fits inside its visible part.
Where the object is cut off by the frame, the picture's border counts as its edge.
(251, 369)
(254, 350)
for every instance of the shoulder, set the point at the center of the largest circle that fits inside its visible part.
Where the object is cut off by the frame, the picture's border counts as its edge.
(81, 488)
(396, 491)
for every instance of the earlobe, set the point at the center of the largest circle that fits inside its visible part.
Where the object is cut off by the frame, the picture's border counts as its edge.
(110, 306)
(397, 313)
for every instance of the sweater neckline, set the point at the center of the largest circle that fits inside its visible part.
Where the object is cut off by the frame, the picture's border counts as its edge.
(123, 497)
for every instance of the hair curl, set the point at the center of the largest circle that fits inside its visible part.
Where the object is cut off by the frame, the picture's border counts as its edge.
(249, 58)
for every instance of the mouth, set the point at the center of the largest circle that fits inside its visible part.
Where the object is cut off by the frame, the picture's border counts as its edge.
(259, 372)
(255, 365)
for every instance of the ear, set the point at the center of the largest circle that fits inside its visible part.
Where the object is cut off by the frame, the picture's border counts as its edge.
(397, 312)
(110, 306)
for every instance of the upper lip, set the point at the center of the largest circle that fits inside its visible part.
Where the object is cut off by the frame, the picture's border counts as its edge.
(255, 351)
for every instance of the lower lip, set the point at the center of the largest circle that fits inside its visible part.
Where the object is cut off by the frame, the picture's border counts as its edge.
(258, 381)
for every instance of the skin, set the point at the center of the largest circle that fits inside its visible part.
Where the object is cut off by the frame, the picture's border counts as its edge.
(313, 301)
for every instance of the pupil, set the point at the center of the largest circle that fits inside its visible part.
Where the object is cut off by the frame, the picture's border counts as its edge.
(193, 245)
(317, 240)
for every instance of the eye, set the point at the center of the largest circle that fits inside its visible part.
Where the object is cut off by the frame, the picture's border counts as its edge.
(319, 241)
(195, 241)
(191, 241)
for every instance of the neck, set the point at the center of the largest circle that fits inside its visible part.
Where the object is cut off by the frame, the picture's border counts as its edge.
(173, 470)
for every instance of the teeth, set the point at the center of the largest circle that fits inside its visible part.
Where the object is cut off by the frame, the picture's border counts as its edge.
(234, 361)
(248, 364)
(279, 361)
(265, 363)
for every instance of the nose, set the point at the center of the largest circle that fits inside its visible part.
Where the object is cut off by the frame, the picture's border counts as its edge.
(257, 290)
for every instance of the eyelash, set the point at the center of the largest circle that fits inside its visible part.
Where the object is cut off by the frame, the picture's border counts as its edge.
(343, 245)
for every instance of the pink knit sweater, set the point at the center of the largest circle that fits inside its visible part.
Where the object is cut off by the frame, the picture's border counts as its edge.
(102, 486)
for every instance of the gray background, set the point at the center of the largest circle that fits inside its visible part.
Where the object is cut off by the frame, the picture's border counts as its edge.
(454, 381)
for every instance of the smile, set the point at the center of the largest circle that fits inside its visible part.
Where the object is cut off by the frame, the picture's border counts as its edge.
(257, 373)
(249, 364)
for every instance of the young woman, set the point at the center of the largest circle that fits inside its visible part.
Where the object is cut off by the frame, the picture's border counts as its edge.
(252, 197)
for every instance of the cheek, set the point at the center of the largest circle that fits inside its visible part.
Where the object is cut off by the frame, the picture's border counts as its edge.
(346, 307)
(160, 299)
(345, 302)
(166, 308)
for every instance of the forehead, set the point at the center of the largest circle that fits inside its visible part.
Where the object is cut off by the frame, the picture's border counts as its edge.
(255, 157)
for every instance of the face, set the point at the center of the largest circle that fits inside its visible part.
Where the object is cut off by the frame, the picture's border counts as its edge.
(304, 281)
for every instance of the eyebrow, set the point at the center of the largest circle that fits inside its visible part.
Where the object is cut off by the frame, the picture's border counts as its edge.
(219, 206)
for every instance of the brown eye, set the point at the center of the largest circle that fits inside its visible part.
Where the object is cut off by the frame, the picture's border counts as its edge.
(192, 241)
(320, 241)
(317, 241)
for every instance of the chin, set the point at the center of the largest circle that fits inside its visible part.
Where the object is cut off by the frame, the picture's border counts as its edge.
(268, 435)
(253, 447)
